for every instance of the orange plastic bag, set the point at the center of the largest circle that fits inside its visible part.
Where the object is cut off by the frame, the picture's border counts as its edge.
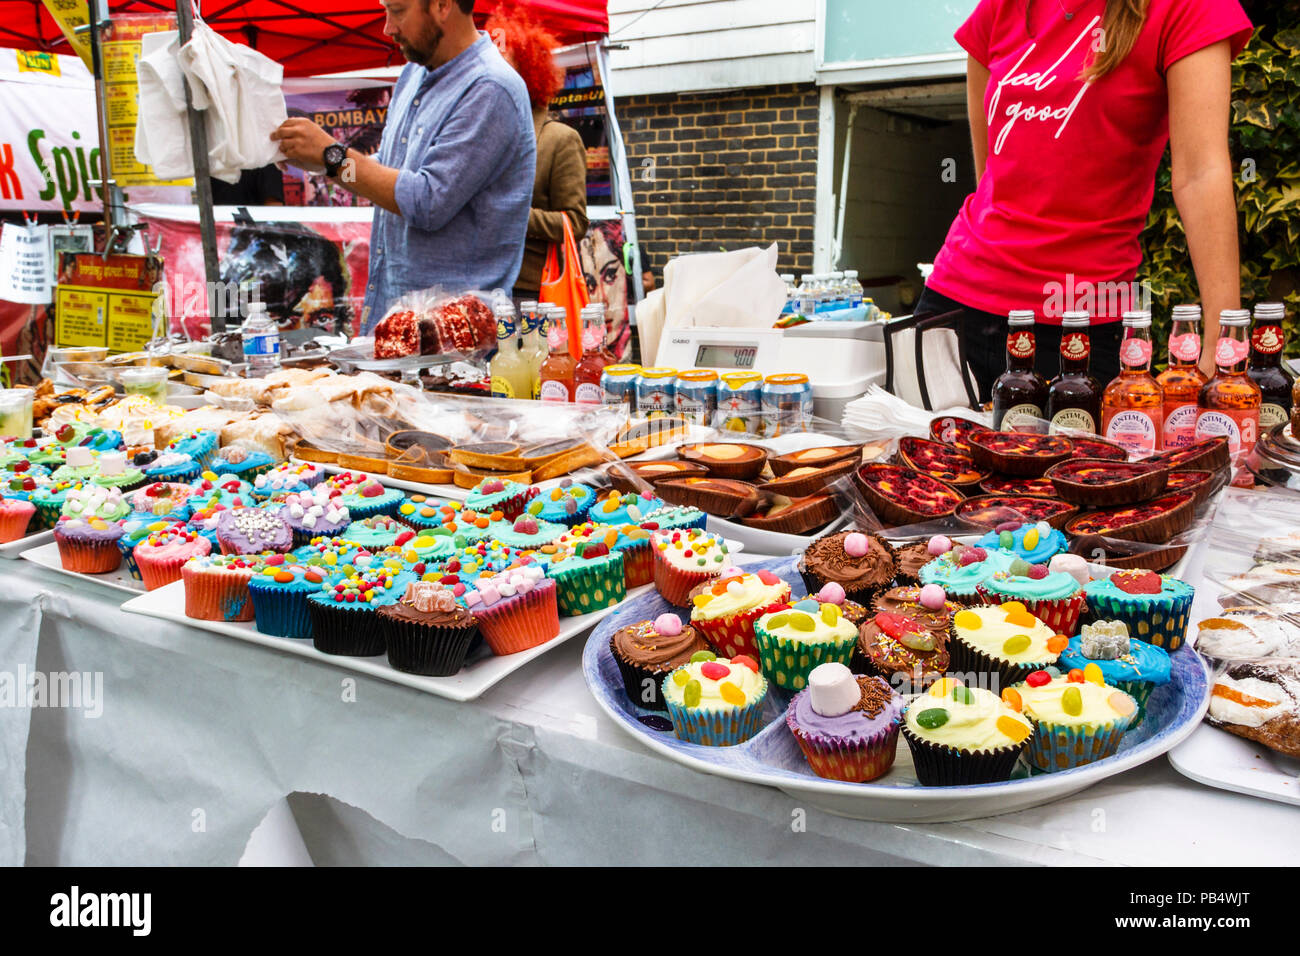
(564, 284)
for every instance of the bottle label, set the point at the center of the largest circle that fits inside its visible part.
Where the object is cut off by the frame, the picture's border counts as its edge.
(1266, 339)
(1075, 346)
(1186, 347)
(1133, 430)
(505, 329)
(1241, 425)
(1180, 424)
(554, 391)
(1076, 419)
(1270, 416)
(1228, 352)
(1135, 352)
(1022, 418)
(589, 393)
(262, 343)
(1020, 344)
(501, 387)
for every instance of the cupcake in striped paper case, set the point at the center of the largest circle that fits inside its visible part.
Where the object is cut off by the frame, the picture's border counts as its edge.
(685, 559)
(716, 701)
(1054, 597)
(216, 586)
(846, 726)
(516, 609)
(1078, 718)
(163, 553)
(725, 611)
(88, 545)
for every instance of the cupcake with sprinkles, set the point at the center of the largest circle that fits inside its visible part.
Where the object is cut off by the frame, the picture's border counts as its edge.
(169, 466)
(674, 518)
(229, 490)
(49, 498)
(200, 445)
(716, 701)
(135, 529)
(792, 641)
(312, 513)
(376, 532)
(685, 559)
(286, 477)
(162, 499)
(252, 531)
(1125, 663)
(630, 541)
(846, 726)
(342, 612)
(618, 508)
(493, 494)
(516, 609)
(862, 564)
(88, 545)
(725, 611)
(648, 651)
(566, 504)
(1078, 718)
(162, 554)
(364, 496)
(79, 465)
(962, 735)
(216, 586)
(279, 591)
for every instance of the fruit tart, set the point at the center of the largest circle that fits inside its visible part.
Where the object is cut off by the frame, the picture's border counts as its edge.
(986, 512)
(807, 479)
(1201, 482)
(1209, 455)
(1018, 453)
(902, 496)
(1097, 483)
(944, 462)
(1090, 446)
(955, 431)
(1032, 487)
(1153, 522)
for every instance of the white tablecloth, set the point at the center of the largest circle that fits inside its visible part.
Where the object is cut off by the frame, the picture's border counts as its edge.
(201, 736)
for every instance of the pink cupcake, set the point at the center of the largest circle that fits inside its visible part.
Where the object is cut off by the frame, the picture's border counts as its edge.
(161, 556)
(685, 559)
(515, 609)
(15, 516)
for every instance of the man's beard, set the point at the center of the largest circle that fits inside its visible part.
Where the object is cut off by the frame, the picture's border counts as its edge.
(423, 55)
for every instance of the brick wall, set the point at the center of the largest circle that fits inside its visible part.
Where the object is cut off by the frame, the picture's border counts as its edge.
(724, 170)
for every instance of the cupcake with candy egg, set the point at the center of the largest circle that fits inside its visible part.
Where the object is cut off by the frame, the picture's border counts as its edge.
(961, 570)
(168, 466)
(288, 476)
(853, 612)
(113, 472)
(364, 496)
(905, 641)
(216, 586)
(617, 508)
(685, 559)
(423, 511)
(88, 545)
(343, 611)
(961, 735)
(794, 640)
(1078, 718)
(1055, 598)
(493, 494)
(313, 513)
(426, 631)
(279, 590)
(846, 725)
(862, 564)
(516, 609)
(376, 532)
(647, 651)
(1003, 640)
(15, 517)
(200, 445)
(588, 577)
(1125, 663)
(716, 701)
(161, 554)
(566, 504)
(1035, 543)
(1155, 607)
(229, 490)
(524, 533)
(725, 612)
(252, 531)
(162, 499)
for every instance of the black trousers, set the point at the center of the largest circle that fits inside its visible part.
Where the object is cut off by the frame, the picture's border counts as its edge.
(984, 336)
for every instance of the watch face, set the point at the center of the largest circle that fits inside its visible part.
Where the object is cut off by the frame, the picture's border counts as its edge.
(334, 154)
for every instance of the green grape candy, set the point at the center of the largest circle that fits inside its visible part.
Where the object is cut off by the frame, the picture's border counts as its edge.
(1016, 644)
(535, 508)
(932, 718)
(1072, 701)
(1019, 566)
(1006, 540)
(691, 694)
(962, 695)
(699, 657)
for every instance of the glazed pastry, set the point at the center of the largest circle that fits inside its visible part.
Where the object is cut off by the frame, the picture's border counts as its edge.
(1251, 632)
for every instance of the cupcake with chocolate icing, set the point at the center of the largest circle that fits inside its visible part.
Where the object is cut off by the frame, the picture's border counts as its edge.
(906, 639)
(846, 726)
(861, 563)
(426, 631)
(648, 651)
(909, 559)
(853, 612)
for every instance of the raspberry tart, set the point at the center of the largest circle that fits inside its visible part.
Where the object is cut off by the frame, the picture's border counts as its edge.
(1020, 487)
(1018, 453)
(944, 462)
(986, 512)
(1097, 483)
(955, 431)
(1153, 522)
(1201, 482)
(1211, 455)
(901, 496)
(1089, 446)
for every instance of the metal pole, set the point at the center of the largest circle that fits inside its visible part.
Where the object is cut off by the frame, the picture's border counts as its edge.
(110, 195)
(202, 177)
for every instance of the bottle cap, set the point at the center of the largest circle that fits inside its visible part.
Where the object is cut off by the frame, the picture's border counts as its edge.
(1234, 317)
(1187, 313)
(1021, 317)
(1075, 320)
(1270, 310)
(1137, 319)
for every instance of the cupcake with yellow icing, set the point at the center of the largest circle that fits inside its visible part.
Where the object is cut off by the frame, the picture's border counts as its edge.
(1003, 639)
(1077, 718)
(793, 641)
(961, 735)
(725, 611)
(716, 701)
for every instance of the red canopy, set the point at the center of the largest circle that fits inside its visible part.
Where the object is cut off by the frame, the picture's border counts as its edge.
(306, 36)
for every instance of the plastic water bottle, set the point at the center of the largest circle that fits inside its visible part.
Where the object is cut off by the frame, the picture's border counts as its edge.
(839, 295)
(791, 295)
(807, 296)
(261, 339)
(856, 292)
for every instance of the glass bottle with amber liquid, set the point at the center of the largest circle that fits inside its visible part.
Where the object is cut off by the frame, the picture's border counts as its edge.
(586, 376)
(1132, 406)
(1230, 401)
(1074, 396)
(1182, 381)
(1267, 339)
(557, 384)
(1020, 393)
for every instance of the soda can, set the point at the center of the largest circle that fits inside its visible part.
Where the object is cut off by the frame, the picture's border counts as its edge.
(697, 395)
(787, 404)
(655, 389)
(619, 384)
(740, 401)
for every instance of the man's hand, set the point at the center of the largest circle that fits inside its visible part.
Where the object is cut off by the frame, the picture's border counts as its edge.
(303, 143)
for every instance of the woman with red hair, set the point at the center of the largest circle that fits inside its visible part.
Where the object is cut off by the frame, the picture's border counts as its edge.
(560, 185)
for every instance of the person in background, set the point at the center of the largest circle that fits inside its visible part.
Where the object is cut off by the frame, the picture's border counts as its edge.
(647, 272)
(560, 182)
(1071, 104)
(454, 172)
(256, 187)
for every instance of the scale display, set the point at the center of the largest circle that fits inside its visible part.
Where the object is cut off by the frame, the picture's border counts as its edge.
(726, 356)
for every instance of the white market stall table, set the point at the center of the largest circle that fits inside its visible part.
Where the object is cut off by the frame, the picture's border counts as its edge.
(200, 737)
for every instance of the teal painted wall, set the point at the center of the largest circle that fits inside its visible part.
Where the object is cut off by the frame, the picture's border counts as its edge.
(859, 30)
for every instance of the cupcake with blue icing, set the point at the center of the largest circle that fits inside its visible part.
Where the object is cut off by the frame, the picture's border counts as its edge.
(960, 570)
(363, 496)
(493, 494)
(200, 445)
(1035, 543)
(675, 518)
(287, 477)
(566, 504)
(279, 592)
(525, 533)
(618, 508)
(376, 532)
(163, 499)
(228, 490)
(1155, 607)
(169, 466)
(137, 528)
(1125, 663)
(242, 462)
(1054, 597)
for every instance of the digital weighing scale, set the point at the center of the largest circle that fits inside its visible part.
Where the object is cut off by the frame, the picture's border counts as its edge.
(841, 359)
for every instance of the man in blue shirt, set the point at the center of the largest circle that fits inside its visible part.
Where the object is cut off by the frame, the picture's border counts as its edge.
(452, 182)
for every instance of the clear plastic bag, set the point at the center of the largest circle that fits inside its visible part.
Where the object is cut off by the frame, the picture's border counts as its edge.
(435, 322)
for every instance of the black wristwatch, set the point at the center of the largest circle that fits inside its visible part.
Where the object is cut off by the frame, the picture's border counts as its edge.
(335, 154)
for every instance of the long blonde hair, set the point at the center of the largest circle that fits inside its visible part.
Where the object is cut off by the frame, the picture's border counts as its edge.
(1120, 28)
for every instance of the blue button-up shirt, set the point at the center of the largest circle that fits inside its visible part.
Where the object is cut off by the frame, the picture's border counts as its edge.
(462, 139)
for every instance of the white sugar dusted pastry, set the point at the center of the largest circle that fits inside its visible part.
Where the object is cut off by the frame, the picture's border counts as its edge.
(1261, 702)
(1265, 584)
(1251, 632)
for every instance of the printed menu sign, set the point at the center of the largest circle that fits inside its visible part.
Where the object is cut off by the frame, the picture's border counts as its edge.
(106, 302)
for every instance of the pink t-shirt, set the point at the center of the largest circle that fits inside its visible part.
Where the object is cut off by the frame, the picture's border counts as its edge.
(1071, 166)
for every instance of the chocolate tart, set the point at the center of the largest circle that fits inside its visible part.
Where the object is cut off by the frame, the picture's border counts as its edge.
(407, 439)
(305, 451)
(1018, 453)
(636, 437)
(1097, 483)
(944, 462)
(1152, 522)
(489, 455)
(1088, 446)
(794, 515)
(722, 497)
(807, 480)
(726, 459)
(955, 431)
(1126, 557)
(464, 477)
(901, 496)
(1201, 482)
(1209, 455)
(631, 478)
(1020, 487)
(986, 512)
(819, 457)
(419, 456)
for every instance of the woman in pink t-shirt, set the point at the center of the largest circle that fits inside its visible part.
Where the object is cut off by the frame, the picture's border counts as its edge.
(1071, 103)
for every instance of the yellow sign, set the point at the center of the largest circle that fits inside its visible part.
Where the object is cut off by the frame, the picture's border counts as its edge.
(70, 14)
(122, 103)
(130, 321)
(120, 57)
(38, 61)
(81, 316)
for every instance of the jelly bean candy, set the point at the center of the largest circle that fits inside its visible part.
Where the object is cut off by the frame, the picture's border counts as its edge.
(932, 718)
(1011, 697)
(1121, 703)
(1075, 676)
(731, 693)
(943, 686)
(776, 621)
(963, 695)
(691, 693)
(1013, 728)
(700, 656)
(967, 619)
(744, 660)
(768, 578)
(1015, 644)
(1022, 619)
(1038, 679)
(830, 615)
(802, 622)
(1019, 568)
(1092, 674)
(1010, 606)
(1006, 540)
(920, 639)
(1030, 539)
(680, 677)
(1057, 643)
(715, 671)
(1037, 572)
(807, 604)
(1072, 701)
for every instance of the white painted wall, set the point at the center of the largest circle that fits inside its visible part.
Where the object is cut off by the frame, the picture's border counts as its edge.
(676, 46)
